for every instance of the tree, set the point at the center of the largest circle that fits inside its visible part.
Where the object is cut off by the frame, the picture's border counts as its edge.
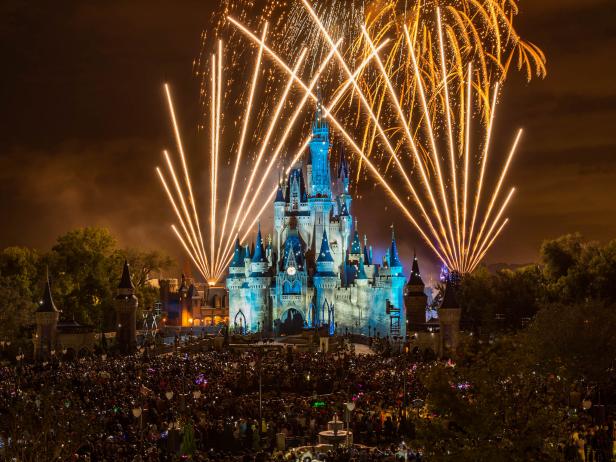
(84, 264)
(87, 265)
(494, 406)
(576, 340)
(561, 254)
(579, 271)
(20, 277)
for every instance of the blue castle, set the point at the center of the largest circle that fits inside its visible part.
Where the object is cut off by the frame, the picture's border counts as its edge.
(314, 272)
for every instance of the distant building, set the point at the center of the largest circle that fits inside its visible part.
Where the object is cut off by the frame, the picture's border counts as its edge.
(186, 303)
(53, 335)
(126, 304)
(441, 335)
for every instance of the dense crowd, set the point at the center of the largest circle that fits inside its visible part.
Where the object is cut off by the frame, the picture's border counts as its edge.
(206, 404)
(226, 405)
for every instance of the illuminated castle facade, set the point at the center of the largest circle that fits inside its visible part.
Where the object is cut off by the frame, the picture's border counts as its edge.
(313, 271)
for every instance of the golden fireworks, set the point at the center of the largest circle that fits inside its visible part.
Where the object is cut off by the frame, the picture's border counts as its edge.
(449, 198)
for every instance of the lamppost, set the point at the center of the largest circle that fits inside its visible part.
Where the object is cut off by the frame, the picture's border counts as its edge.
(350, 406)
(20, 356)
(138, 414)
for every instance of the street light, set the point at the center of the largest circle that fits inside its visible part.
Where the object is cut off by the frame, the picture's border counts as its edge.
(138, 414)
(350, 407)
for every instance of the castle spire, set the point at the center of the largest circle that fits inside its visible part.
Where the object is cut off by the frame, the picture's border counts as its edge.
(415, 278)
(47, 305)
(238, 256)
(361, 274)
(367, 253)
(325, 255)
(279, 194)
(394, 259)
(125, 280)
(343, 165)
(259, 254)
(356, 243)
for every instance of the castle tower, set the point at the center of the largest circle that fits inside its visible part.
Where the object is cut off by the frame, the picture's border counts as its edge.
(279, 204)
(46, 324)
(259, 284)
(346, 224)
(397, 283)
(185, 303)
(449, 315)
(321, 203)
(344, 180)
(325, 282)
(126, 313)
(319, 156)
(235, 281)
(415, 299)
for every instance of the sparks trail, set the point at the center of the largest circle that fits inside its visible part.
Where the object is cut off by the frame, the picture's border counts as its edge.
(477, 32)
(463, 249)
(247, 198)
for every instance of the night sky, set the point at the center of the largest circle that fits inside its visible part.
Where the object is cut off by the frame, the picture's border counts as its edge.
(84, 121)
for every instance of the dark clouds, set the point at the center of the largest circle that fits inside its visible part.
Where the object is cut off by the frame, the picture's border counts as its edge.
(83, 122)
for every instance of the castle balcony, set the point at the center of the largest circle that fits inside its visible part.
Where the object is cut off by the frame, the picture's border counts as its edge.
(292, 299)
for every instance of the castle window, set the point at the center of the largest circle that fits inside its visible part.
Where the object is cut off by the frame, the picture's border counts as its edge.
(292, 288)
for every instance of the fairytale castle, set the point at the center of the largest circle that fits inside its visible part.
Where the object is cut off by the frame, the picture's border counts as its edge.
(313, 272)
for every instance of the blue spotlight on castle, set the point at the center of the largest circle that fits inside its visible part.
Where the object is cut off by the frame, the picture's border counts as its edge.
(312, 272)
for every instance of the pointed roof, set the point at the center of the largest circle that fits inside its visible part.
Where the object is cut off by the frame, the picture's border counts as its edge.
(47, 305)
(291, 260)
(356, 244)
(343, 165)
(361, 274)
(449, 299)
(415, 278)
(247, 251)
(279, 194)
(238, 255)
(394, 258)
(367, 256)
(344, 212)
(325, 255)
(125, 280)
(259, 254)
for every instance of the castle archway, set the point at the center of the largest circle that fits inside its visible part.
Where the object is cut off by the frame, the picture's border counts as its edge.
(291, 322)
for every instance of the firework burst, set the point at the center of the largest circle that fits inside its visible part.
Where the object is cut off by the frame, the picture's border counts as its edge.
(479, 32)
(249, 168)
(434, 154)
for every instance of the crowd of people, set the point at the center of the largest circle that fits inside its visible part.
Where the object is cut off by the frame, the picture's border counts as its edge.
(216, 405)
(225, 405)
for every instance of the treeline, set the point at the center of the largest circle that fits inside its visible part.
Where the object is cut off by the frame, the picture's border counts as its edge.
(84, 268)
(517, 388)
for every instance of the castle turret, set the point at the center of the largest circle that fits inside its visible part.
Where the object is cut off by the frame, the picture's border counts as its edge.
(126, 313)
(47, 316)
(344, 179)
(319, 156)
(259, 284)
(355, 250)
(279, 204)
(449, 315)
(415, 299)
(346, 224)
(394, 259)
(325, 283)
